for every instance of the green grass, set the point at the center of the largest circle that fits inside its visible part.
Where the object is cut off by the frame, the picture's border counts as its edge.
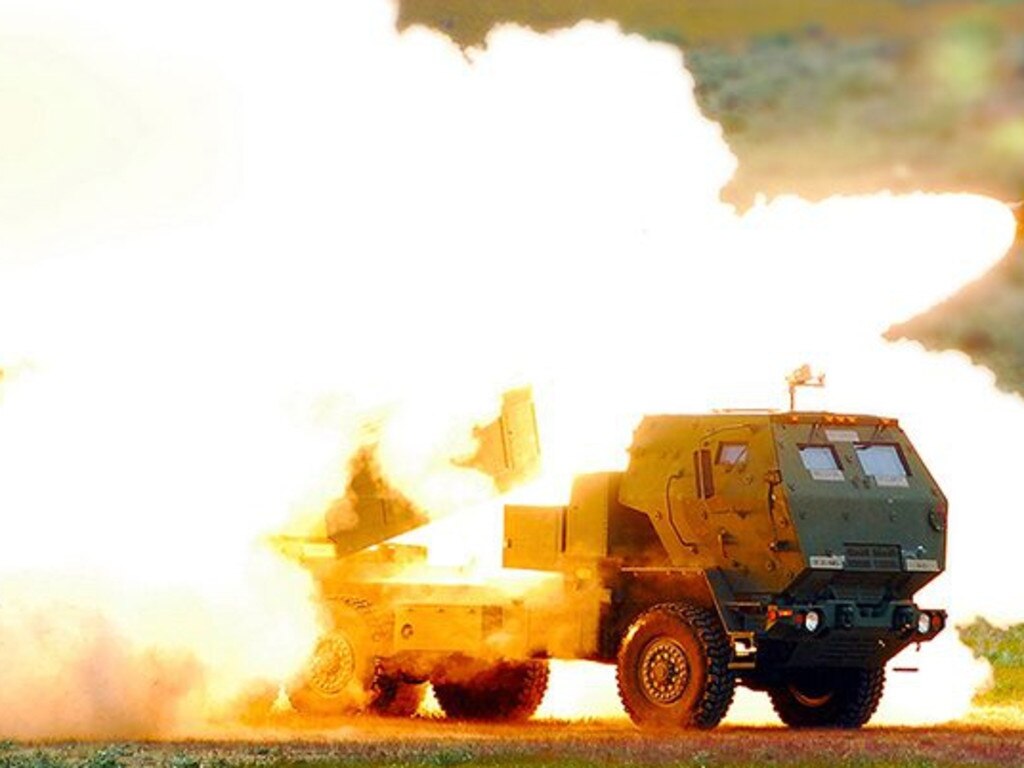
(909, 763)
(443, 758)
(542, 744)
(1004, 649)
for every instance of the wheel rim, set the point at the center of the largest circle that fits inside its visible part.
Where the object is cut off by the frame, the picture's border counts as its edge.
(333, 665)
(809, 699)
(664, 671)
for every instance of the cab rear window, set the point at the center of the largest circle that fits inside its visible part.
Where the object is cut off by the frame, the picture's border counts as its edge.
(821, 461)
(884, 462)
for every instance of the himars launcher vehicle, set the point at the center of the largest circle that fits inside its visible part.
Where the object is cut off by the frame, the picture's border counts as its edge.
(780, 551)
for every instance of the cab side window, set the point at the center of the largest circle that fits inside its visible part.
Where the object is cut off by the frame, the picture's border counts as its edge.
(732, 454)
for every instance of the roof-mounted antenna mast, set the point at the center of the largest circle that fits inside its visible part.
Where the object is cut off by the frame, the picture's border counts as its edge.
(802, 377)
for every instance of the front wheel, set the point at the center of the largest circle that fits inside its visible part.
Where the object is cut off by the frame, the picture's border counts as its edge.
(673, 668)
(828, 697)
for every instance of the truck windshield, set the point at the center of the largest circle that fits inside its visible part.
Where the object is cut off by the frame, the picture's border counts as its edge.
(821, 462)
(884, 462)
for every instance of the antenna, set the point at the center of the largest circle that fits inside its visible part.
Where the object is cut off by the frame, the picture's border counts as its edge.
(802, 377)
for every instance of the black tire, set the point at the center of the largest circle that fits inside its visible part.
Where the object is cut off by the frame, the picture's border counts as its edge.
(508, 691)
(339, 677)
(829, 697)
(394, 697)
(673, 668)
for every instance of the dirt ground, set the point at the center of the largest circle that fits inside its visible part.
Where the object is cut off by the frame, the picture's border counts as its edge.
(425, 741)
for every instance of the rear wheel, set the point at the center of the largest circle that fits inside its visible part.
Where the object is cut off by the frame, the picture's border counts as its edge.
(673, 668)
(506, 691)
(395, 697)
(829, 697)
(336, 678)
(342, 676)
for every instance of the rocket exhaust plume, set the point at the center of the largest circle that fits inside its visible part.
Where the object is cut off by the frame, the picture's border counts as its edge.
(225, 248)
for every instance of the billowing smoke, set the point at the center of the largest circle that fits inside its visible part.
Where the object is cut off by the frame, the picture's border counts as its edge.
(69, 670)
(228, 239)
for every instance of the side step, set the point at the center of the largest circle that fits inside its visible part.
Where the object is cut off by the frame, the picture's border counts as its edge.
(744, 650)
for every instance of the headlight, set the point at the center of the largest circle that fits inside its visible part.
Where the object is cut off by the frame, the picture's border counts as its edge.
(924, 623)
(812, 621)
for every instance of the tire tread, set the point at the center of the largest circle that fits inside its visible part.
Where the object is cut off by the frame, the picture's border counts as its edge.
(509, 691)
(859, 699)
(720, 685)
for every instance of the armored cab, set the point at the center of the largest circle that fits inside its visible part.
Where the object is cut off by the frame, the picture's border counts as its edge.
(778, 550)
(834, 514)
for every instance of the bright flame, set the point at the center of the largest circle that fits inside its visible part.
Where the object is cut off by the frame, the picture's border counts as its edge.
(222, 260)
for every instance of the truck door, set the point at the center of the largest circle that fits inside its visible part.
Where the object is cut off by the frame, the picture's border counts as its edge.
(733, 493)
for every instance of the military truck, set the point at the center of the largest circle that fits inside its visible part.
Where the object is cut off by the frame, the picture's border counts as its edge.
(776, 550)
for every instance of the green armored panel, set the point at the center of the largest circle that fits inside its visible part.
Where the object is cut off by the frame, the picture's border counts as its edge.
(554, 538)
(441, 627)
(508, 448)
(599, 526)
(586, 521)
(534, 537)
(869, 517)
(812, 503)
(706, 483)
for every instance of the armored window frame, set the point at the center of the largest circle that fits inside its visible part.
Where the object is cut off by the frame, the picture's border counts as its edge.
(883, 478)
(834, 473)
(703, 474)
(732, 454)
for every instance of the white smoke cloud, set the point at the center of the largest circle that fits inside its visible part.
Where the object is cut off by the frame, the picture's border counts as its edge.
(239, 232)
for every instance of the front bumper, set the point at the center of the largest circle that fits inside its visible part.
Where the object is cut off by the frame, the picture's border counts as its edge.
(832, 634)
